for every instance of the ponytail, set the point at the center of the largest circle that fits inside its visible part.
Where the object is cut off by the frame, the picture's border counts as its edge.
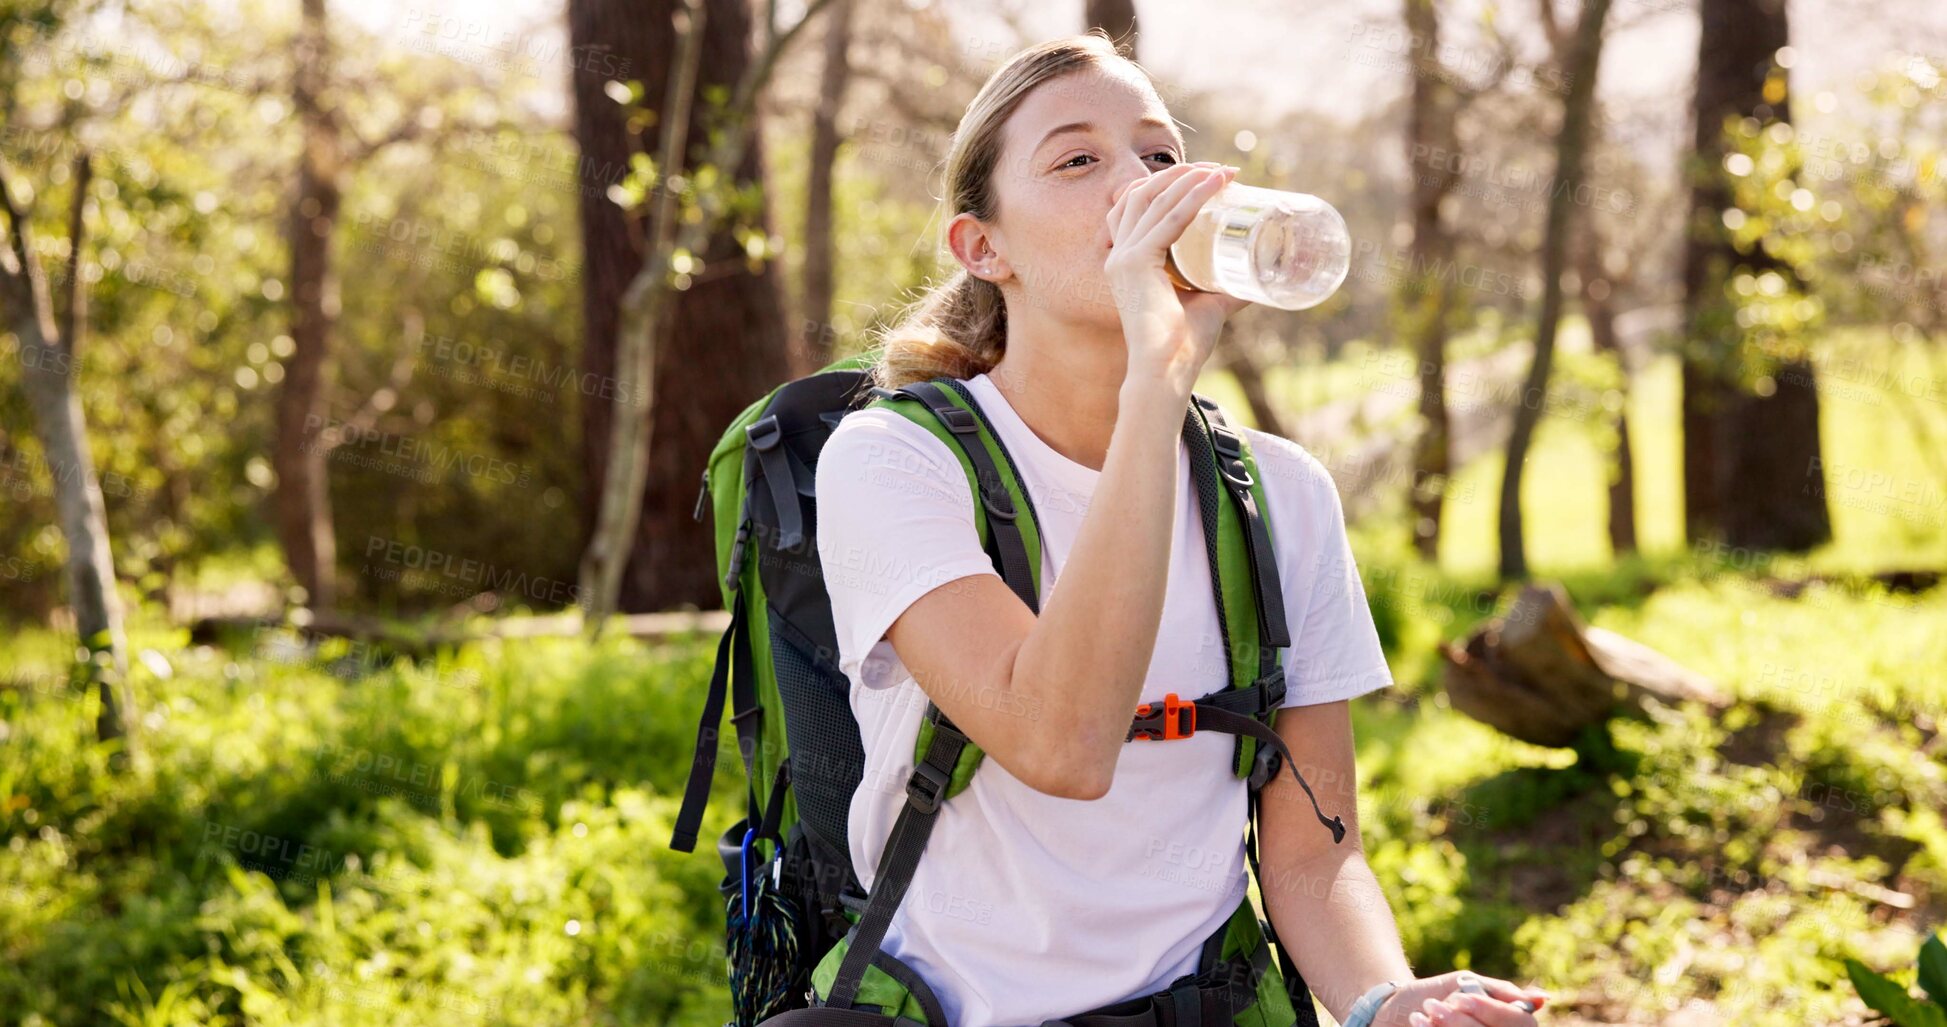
(957, 330)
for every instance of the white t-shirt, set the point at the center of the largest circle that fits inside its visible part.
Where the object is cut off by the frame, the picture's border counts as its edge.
(1026, 906)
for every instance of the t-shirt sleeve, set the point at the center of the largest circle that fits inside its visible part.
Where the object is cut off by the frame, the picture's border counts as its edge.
(1335, 652)
(895, 521)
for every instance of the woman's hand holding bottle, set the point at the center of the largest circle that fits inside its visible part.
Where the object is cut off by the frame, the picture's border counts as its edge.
(1170, 331)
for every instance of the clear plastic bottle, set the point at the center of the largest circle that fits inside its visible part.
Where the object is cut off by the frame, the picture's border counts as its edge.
(1282, 249)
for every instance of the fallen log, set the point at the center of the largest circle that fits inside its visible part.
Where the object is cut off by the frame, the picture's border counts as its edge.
(1541, 675)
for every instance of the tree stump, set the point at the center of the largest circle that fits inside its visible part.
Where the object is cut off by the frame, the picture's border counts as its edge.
(1541, 675)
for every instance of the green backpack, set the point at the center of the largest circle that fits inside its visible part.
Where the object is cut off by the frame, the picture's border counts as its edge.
(817, 955)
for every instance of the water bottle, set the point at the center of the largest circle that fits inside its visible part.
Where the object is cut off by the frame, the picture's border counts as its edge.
(1282, 249)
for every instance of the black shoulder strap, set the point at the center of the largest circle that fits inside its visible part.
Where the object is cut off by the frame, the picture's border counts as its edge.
(1274, 631)
(925, 790)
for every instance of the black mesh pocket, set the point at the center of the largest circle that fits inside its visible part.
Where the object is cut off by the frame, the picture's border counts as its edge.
(827, 756)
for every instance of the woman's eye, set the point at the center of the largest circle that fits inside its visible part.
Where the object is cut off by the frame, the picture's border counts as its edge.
(1168, 158)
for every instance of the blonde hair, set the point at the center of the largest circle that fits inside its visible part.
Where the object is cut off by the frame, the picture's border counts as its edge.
(958, 328)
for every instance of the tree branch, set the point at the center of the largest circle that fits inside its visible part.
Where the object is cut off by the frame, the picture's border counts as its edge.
(1551, 28)
(74, 314)
(25, 285)
(775, 45)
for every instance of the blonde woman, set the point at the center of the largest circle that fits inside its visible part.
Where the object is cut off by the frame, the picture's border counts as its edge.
(1077, 871)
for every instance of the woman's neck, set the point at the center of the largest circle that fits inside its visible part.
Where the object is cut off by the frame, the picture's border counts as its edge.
(1066, 383)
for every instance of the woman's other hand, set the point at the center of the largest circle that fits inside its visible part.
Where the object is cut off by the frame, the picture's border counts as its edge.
(1439, 1002)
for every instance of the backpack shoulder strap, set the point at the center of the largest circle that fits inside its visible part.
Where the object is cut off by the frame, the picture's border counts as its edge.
(1243, 565)
(1244, 551)
(953, 416)
(946, 408)
(944, 758)
(1238, 468)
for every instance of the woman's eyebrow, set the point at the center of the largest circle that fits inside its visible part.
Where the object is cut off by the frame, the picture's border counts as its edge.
(1147, 121)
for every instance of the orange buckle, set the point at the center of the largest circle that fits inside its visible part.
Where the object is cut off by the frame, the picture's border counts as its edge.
(1176, 719)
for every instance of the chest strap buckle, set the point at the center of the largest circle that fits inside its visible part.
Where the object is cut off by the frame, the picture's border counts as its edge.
(1167, 721)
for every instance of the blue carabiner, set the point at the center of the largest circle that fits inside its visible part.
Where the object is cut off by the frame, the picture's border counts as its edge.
(743, 880)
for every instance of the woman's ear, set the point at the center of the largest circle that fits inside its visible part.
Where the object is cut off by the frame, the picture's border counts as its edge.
(974, 246)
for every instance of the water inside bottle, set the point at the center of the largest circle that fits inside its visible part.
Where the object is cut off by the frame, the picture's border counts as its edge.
(1283, 249)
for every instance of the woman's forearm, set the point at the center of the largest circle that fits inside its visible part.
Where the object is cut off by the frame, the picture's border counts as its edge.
(1334, 921)
(1088, 654)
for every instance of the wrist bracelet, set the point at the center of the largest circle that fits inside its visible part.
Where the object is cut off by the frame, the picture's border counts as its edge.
(1365, 1010)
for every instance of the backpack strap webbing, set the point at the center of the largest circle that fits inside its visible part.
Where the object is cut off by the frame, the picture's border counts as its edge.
(925, 790)
(1274, 631)
(995, 484)
(1243, 567)
(1013, 542)
(733, 675)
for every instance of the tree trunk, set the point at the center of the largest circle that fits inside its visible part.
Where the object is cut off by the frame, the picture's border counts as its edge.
(1570, 143)
(1773, 483)
(1117, 17)
(1426, 293)
(1251, 380)
(303, 496)
(47, 376)
(1598, 296)
(820, 338)
(1751, 462)
(1771, 486)
(726, 342)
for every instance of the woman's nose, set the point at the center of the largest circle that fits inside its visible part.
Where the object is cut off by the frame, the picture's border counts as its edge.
(1134, 169)
(1130, 170)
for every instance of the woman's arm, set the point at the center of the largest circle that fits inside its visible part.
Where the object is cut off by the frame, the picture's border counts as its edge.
(1050, 697)
(1322, 898)
(1326, 904)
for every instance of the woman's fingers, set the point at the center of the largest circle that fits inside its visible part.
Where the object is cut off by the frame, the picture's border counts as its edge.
(1135, 197)
(1175, 206)
(1441, 1013)
(1138, 196)
(1508, 991)
(1490, 1011)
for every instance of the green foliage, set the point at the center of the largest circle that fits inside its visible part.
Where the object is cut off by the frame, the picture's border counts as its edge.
(1891, 999)
(457, 288)
(484, 836)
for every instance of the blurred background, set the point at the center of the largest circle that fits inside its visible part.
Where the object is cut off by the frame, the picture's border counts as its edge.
(319, 316)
